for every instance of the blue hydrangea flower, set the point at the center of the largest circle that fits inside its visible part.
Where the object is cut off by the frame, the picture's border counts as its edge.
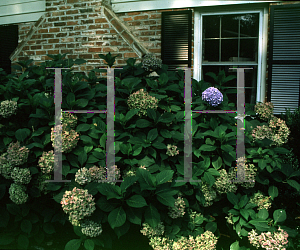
(213, 96)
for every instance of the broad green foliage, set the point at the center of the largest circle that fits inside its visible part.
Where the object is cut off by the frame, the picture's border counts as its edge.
(149, 157)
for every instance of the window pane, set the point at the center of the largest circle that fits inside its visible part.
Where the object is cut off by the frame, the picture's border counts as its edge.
(229, 49)
(248, 49)
(230, 26)
(249, 25)
(211, 27)
(250, 81)
(211, 50)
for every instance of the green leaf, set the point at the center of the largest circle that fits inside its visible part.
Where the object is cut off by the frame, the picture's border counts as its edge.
(130, 114)
(77, 231)
(82, 158)
(144, 177)
(73, 244)
(152, 217)
(209, 179)
(232, 198)
(6, 239)
(152, 135)
(244, 213)
(88, 139)
(142, 123)
(243, 201)
(211, 226)
(127, 182)
(279, 215)
(294, 184)
(206, 147)
(235, 246)
(4, 215)
(89, 244)
(83, 127)
(218, 163)
(48, 228)
(166, 199)
(117, 217)
(261, 225)
(23, 241)
(122, 229)
(22, 134)
(13, 209)
(136, 201)
(273, 192)
(26, 226)
(263, 214)
(164, 176)
(106, 205)
(70, 98)
(134, 215)
(81, 102)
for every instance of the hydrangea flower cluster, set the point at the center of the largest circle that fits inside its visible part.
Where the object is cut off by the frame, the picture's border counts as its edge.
(229, 218)
(46, 162)
(142, 100)
(96, 174)
(41, 184)
(172, 150)
(17, 193)
(91, 228)
(178, 210)
(261, 201)
(8, 108)
(161, 243)
(223, 184)
(151, 62)
(21, 175)
(151, 232)
(5, 167)
(277, 131)
(78, 204)
(193, 214)
(268, 240)
(265, 110)
(213, 96)
(69, 120)
(17, 155)
(206, 241)
(209, 194)
(69, 139)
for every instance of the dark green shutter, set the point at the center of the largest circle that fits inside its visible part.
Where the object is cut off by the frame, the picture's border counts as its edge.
(176, 39)
(284, 57)
(8, 43)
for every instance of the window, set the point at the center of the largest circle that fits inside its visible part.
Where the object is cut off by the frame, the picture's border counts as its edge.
(228, 40)
(8, 43)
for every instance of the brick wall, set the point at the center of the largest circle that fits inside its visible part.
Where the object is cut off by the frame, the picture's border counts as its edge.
(86, 28)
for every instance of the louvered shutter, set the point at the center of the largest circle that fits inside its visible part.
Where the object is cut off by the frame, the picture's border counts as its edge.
(8, 43)
(176, 39)
(284, 57)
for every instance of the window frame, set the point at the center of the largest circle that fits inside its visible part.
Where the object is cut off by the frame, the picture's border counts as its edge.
(262, 42)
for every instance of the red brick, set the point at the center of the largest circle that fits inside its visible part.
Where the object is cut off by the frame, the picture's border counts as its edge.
(100, 20)
(106, 13)
(61, 34)
(113, 32)
(117, 25)
(127, 19)
(66, 7)
(53, 40)
(99, 43)
(100, 32)
(60, 24)
(140, 17)
(106, 26)
(77, 33)
(29, 53)
(149, 22)
(72, 23)
(67, 51)
(134, 23)
(115, 43)
(36, 37)
(25, 27)
(72, 56)
(43, 31)
(50, 52)
(129, 55)
(80, 16)
(72, 12)
(155, 50)
(63, 18)
(48, 46)
(54, 30)
(87, 21)
(79, 27)
(95, 50)
(86, 56)
(60, 45)
(156, 27)
(94, 27)
(144, 38)
(35, 47)
(67, 40)
(71, 45)
(123, 49)
(40, 52)
(31, 42)
(108, 49)
(155, 16)
(48, 36)
(56, 13)
(147, 33)
(133, 13)
(51, 9)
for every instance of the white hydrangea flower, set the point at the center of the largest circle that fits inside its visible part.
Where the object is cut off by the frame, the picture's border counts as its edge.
(91, 228)
(8, 108)
(21, 175)
(17, 193)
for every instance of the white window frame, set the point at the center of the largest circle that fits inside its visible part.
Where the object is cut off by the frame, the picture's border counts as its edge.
(262, 44)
